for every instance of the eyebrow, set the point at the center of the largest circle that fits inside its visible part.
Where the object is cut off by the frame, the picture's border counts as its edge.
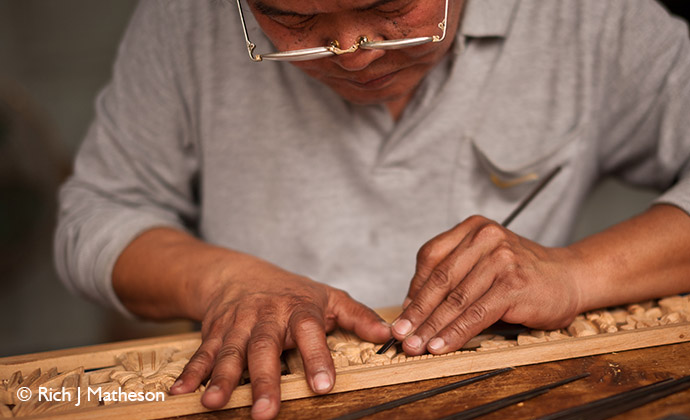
(268, 10)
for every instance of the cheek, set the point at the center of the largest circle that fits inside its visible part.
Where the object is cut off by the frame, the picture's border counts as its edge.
(423, 21)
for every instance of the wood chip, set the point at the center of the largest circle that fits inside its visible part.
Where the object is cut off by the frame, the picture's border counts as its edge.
(581, 327)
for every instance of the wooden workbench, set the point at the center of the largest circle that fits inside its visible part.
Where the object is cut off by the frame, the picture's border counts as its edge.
(650, 343)
(610, 374)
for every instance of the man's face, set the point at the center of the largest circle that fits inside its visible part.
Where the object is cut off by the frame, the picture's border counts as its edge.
(365, 76)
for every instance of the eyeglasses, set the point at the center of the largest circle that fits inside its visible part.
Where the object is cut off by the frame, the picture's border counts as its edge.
(334, 49)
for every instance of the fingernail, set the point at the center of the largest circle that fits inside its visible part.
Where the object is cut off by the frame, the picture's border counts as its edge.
(322, 382)
(437, 344)
(212, 389)
(177, 383)
(386, 324)
(406, 302)
(415, 341)
(261, 405)
(402, 326)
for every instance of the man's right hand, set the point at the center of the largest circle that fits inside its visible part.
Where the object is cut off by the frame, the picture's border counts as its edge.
(250, 311)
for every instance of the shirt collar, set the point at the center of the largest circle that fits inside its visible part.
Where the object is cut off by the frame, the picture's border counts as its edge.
(487, 18)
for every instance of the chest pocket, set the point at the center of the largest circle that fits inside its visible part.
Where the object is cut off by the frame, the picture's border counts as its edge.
(497, 179)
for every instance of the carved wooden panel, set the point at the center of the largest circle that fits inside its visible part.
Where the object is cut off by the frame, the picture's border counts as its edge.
(96, 377)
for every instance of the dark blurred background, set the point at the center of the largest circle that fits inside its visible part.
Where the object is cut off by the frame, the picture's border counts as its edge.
(54, 58)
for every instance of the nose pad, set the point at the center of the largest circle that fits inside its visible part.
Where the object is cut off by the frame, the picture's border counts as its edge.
(357, 60)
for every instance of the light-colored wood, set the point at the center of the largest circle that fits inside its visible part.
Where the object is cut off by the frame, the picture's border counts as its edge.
(93, 357)
(582, 327)
(355, 377)
(153, 364)
(389, 314)
(294, 361)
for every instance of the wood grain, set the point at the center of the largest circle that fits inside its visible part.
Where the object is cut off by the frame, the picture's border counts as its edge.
(611, 373)
(142, 358)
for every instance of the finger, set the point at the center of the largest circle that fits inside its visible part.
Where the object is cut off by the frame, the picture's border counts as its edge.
(354, 316)
(307, 329)
(230, 363)
(263, 360)
(475, 284)
(444, 278)
(485, 236)
(432, 253)
(198, 367)
(478, 316)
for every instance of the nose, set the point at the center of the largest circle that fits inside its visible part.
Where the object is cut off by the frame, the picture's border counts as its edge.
(349, 34)
(358, 60)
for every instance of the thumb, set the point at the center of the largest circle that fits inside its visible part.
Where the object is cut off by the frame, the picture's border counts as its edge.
(362, 320)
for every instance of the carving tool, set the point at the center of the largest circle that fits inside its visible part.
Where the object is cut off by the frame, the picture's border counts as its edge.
(619, 403)
(505, 224)
(483, 409)
(419, 396)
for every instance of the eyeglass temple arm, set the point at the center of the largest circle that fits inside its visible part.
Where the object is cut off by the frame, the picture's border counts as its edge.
(250, 44)
(443, 26)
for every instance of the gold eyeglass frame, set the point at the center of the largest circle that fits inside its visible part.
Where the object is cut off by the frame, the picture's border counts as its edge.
(334, 49)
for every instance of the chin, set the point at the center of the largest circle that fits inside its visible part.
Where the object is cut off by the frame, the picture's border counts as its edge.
(372, 97)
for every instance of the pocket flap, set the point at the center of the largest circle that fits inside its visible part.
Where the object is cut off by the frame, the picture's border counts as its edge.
(505, 171)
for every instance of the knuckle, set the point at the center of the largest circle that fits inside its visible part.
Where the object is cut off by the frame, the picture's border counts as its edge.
(262, 381)
(430, 327)
(415, 308)
(213, 330)
(315, 359)
(263, 341)
(457, 331)
(505, 255)
(200, 360)
(298, 305)
(307, 324)
(231, 352)
(440, 279)
(475, 219)
(341, 294)
(490, 232)
(195, 370)
(430, 251)
(457, 298)
(476, 313)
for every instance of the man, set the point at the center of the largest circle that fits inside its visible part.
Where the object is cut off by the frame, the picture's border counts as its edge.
(215, 188)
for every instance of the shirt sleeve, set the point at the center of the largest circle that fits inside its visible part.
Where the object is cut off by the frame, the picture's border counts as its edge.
(137, 167)
(645, 135)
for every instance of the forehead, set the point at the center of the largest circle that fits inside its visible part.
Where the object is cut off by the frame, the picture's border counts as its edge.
(316, 6)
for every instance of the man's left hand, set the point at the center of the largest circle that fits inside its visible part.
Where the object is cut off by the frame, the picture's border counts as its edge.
(478, 273)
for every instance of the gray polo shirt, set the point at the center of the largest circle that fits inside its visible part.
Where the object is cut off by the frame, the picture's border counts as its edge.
(261, 158)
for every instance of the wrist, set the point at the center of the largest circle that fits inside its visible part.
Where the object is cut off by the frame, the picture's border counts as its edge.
(591, 277)
(571, 270)
(216, 272)
(223, 275)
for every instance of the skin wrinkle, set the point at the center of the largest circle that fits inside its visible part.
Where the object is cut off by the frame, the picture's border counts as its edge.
(151, 273)
(403, 69)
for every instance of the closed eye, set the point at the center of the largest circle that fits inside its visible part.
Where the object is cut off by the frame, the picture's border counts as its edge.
(287, 18)
(394, 7)
(293, 21)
